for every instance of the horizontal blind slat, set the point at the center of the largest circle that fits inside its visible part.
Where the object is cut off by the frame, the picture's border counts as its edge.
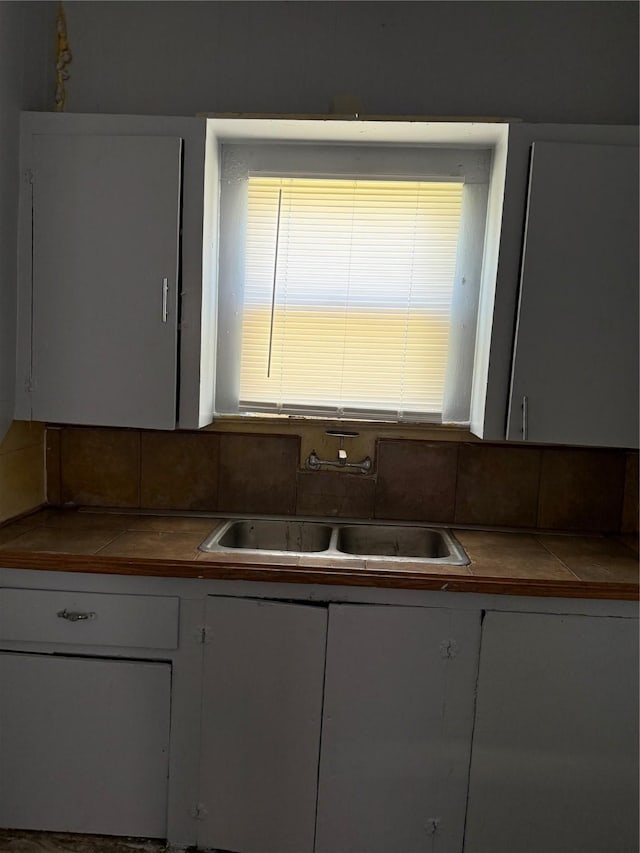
(362, 296)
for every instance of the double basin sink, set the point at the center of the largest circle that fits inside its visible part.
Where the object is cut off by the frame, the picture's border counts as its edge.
(369, 541)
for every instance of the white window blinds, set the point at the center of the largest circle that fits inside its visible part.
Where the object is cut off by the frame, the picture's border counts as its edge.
(347, 296)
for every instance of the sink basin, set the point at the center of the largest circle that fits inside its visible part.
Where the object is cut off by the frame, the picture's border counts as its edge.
(393, 541)
(371, 542)
(275, 535)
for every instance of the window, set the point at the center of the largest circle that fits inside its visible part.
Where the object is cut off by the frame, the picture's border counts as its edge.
(349, 280)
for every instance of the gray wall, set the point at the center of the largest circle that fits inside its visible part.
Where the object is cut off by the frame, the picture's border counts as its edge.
(539, 61)
(27, 44)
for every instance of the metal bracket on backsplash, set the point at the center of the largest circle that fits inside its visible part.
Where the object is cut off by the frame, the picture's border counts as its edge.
(314, 463)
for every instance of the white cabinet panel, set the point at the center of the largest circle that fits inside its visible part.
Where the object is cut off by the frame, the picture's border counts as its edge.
(555, 749)
(576, 350)
(264, 668)
(84, 744)
(397, 721)
(106, 219)
(89, 618)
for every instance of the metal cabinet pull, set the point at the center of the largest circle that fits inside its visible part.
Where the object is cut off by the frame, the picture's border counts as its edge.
(165, 299)
(75, 615)
(525, 418)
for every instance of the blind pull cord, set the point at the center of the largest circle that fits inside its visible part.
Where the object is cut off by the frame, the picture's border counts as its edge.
(273, 289)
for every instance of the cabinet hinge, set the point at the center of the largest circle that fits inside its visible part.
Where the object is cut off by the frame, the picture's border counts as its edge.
(205, 634)
(199, 812)
(28, 174)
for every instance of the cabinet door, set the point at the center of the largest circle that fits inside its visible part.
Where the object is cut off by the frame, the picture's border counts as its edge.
(106, 218)
(264, 669)
(84, 744)
(576, 350)
(555, 750)
(396, 733)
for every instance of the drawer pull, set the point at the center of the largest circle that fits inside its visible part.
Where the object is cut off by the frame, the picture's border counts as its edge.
(75, 616)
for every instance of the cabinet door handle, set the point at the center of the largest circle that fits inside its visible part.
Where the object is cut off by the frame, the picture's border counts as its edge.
(165, 299)
(75, 615)
(525, 418)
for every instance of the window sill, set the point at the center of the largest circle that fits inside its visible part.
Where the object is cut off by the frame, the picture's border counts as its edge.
(312, 430)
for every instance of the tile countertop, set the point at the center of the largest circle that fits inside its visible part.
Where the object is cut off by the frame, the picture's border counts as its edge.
(548, 564)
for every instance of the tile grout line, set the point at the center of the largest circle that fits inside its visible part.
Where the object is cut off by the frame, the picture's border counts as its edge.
(556, 557)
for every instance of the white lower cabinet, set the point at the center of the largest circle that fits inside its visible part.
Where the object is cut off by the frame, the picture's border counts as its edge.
(375, 702)
(262, 712)
(555, 749)
(396, 733)
(387, 722)
(84, 744)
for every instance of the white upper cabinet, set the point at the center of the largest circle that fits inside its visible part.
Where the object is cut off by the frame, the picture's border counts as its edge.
(118, 262)
(106, 219)
(568, 288)
(111, 272)
(575, 367)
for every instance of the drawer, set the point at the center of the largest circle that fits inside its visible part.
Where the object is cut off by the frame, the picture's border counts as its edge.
(88, 618)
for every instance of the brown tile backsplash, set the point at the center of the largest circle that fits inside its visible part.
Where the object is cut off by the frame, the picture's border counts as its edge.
(100, 467)
(332, 493)
(630, 510)
(581, 489)
(258, 473)
(416, 480)
(179, 470)
(499, 485)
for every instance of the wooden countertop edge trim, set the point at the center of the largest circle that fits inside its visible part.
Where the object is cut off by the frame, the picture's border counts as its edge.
(210, 570)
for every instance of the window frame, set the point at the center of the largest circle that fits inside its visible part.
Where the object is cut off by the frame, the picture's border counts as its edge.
(494, 334)
(472, 166)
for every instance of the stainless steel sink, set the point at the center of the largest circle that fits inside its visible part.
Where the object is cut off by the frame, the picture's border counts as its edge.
(393, 541)
(275, 535)
(283, 536)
